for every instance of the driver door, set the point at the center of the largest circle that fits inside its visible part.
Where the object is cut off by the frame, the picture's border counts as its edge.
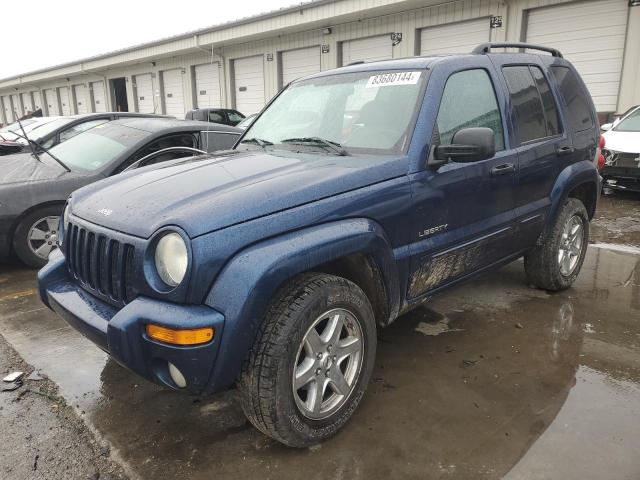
(464, 212)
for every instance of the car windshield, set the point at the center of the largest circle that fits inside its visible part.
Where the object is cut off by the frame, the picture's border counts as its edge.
(96, 148)
(364, 112)
(631, 123)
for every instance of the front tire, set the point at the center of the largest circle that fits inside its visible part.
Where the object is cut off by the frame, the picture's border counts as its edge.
(37, 235)
(311, 360)
(556, 262)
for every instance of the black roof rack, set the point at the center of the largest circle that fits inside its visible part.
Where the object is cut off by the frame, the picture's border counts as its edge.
(486, 47)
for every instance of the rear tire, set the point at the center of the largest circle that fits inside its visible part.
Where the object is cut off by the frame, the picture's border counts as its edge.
(36, 236)
(556, 262)
(299, 385)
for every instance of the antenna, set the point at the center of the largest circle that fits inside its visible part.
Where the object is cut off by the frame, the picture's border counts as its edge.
(33, 151)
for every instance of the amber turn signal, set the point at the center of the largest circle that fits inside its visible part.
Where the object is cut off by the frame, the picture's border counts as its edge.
(180, 337)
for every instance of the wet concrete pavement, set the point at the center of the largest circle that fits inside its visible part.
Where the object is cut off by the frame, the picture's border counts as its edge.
(493, 379)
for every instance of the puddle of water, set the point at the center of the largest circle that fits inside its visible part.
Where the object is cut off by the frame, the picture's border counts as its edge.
(489, 399)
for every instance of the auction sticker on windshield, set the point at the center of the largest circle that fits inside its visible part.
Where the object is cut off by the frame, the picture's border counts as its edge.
(396, 78)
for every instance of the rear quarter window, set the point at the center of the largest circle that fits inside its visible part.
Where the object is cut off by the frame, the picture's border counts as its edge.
(575, 98)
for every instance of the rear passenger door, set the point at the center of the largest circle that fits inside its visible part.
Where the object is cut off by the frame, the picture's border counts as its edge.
(540, 139)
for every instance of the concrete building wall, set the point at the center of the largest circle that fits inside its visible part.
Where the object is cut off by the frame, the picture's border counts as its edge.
(303, 26)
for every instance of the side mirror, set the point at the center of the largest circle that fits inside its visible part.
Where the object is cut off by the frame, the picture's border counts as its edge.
(606, 126)
(467, 145)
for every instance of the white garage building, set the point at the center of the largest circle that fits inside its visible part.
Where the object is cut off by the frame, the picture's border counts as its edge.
(243, 64)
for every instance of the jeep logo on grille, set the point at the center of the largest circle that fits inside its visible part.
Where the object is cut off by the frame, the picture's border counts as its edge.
(105, 211)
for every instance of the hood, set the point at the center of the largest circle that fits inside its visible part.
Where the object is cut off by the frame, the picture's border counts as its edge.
(25, 168)
(628, 142)
(209, 194)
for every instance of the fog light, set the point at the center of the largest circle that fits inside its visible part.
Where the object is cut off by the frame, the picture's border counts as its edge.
(176, 376)
(180, 337)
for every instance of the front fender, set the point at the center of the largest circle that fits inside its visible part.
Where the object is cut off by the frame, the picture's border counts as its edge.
(571, 177)
(247, 284)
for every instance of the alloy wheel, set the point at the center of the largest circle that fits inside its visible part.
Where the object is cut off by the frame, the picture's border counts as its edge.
(43, 236)
(571, 245)
(328, 364)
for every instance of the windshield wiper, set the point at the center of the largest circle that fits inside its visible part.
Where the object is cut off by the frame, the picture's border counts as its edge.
(45, 150)
(334, 146)
(258, 141)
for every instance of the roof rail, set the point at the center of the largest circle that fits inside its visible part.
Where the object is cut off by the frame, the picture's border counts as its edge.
(484, 48)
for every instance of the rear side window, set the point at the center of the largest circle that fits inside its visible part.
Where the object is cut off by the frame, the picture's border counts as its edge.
(548, 103)
(526, 103)
(575, 98)
(469, 100)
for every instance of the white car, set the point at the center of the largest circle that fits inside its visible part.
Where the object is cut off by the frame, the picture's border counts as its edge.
(622, 152)
(13, 132)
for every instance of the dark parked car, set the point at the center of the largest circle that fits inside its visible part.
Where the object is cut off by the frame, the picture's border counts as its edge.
(33, 188)
(216, 115)
(49, 132)
(272, 266)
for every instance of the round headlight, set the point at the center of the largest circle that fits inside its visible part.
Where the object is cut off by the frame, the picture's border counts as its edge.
(64, 223)
(65, 217)
(172, 259)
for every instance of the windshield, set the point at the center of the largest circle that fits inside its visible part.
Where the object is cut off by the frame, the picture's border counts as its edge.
(631, 123)
(98, 147)
(364, 112)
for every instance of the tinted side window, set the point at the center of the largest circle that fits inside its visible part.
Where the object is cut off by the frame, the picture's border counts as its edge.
(216, 117)
(578, 107)
(212, 141)
(469, 100)
(548, 103)
(179, 140)
(526, 103)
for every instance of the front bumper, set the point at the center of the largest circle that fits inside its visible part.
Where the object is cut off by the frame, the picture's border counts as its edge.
(622, 178)
(121, 332)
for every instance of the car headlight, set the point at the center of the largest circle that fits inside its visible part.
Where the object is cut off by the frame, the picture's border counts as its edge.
(64, 223)
(172, 259)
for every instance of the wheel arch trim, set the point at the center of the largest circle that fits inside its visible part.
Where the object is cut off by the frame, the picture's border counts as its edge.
(246, 285)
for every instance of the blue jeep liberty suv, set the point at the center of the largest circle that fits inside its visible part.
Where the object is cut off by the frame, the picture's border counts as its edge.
(355, 196)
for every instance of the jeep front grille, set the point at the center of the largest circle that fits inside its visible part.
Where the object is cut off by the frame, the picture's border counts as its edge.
(101, 265)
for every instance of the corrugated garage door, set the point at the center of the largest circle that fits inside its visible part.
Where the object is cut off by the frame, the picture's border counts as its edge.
(207, 85)
(6, 107)
(367, 49)
(65, 103)
(173, 92)
(459, 37)
(99, 102)
(591, 35)
(16, 106)
(298, 63)
(80, 97)
(52, 101)
(248, 77)
(27, 103)
(37, 100)
(144, 93)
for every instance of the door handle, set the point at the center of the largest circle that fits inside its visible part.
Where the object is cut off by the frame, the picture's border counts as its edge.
(565, 150)
(503, 169)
